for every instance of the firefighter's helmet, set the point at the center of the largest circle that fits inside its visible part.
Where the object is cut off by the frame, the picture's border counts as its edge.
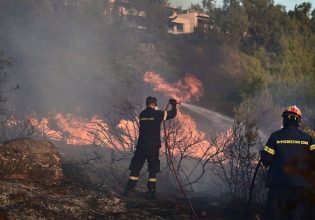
(150, 100)
(293, 113)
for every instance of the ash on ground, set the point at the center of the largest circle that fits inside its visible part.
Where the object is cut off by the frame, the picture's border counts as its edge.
(24, 200)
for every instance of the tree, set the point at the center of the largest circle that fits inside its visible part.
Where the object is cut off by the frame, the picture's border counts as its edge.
(192, 151)
(196, 7)
(235, 167)
(266, 25)
(233, 22)
(148, 19)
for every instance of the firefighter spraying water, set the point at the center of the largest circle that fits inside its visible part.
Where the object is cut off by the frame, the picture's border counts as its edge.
(149, 144)
(148, 147)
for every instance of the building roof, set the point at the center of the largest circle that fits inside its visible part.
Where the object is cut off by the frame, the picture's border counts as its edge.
(181, 20)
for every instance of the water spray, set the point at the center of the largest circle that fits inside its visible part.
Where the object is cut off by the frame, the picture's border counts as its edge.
(210, 115)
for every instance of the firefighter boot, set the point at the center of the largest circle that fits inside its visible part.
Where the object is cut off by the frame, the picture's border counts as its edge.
(151, 194)
(130, 187)
(151, 189)
(127, 191)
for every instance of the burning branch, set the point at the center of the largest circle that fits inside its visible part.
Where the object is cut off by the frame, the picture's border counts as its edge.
(190, 145)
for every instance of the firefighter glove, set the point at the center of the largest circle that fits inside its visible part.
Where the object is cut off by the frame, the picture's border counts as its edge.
(173, 101)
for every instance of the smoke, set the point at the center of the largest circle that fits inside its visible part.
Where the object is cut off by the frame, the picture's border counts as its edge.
(68, 56)
(77, 131)
(71, 57)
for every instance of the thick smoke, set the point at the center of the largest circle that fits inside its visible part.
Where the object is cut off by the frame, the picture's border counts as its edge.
(72, 57)
(67, 55)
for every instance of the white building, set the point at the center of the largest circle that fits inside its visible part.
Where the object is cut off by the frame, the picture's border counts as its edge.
(185, 23)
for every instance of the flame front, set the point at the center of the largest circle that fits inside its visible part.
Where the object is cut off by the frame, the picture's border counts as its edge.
(74, 130)
(42, 126)
(185, 136)
(182, 90)
(82, 131)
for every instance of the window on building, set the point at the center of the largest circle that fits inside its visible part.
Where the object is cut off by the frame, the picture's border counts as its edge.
(180, 27)
(170, 25)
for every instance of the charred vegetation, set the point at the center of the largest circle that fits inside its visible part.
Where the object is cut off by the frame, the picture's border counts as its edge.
(81, 68)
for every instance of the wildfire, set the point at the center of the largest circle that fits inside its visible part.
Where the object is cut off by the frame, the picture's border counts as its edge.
(11, 122)
(184, 134)
(129, 133)
(183, 90)
(74, 130)
(42, 126)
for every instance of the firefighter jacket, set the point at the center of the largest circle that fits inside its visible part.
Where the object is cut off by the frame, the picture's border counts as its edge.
(150, 126)
(288, 154)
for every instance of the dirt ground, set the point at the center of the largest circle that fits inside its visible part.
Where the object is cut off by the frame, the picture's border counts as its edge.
(21, 200)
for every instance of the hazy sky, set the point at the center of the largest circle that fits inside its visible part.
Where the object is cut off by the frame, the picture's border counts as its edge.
(288, 3)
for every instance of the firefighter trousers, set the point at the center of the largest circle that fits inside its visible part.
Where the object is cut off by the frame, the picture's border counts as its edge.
(141, 155)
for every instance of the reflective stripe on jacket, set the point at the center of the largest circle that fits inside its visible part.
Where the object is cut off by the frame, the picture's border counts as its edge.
(150, 126)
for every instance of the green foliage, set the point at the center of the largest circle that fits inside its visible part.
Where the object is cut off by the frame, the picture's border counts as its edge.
(277, 47)
(196, 7)
(255, 76)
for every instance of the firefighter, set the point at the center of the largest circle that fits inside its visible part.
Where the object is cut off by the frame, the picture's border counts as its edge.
(287, 155)
(149, 144)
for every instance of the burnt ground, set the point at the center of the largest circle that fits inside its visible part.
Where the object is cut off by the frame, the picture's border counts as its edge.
(22, 200)
(84, 195)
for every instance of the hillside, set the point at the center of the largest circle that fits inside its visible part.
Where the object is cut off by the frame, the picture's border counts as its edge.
(77, 73)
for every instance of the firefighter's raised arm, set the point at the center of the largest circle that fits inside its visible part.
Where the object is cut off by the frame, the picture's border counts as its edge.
(172, 113)
(167, 115)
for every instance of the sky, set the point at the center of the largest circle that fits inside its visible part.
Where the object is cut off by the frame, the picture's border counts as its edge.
(288, 3)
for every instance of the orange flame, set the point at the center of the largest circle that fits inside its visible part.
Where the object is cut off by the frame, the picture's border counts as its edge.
(129, 133)
(188, 135)
(183, 90)
(77, 129)
(42, 126)
(82, 131)
(72, 130)
(11, 122)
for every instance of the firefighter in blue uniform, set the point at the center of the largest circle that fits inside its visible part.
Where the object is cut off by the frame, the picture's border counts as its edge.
(149, 144)
(288, 155)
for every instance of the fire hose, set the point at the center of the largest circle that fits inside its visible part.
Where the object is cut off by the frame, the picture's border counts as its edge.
(251, 190)
(169, 157)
